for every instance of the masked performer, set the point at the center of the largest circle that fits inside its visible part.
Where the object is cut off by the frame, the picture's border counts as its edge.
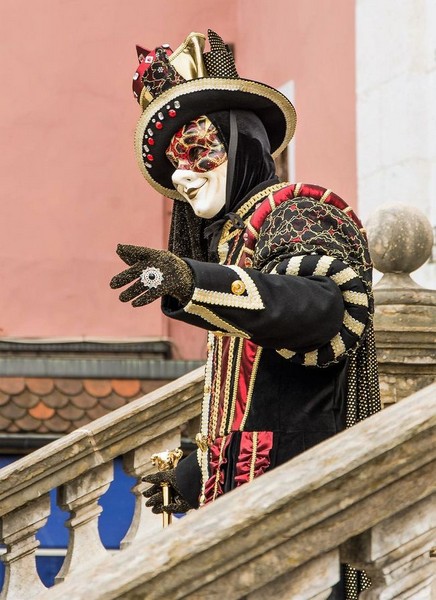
(278, 273)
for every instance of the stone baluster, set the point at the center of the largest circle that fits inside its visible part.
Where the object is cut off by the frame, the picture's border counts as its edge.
(17, 530)
(137, 463)
(396, 554)
(400, 240)
(81, 497)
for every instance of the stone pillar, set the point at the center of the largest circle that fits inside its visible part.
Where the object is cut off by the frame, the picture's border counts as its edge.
(17, 531)
(400, 240)
(80, 497)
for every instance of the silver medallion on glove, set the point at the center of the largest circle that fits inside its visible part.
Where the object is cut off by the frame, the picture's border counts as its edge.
(151, 277)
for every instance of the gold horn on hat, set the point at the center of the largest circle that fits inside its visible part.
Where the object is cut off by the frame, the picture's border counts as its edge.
(187, 59)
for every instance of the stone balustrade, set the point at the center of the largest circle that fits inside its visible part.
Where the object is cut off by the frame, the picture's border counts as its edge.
(366, 496)
(80, 467)
(400, 240)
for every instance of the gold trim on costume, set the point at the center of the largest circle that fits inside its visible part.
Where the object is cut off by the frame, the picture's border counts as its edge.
(235, 384)
(286, 353)
(323, 265)
(226, 399)
(253, 230)
(311, 359)
(297, 189)
(216, 393)
(325, 196)
(242, 211)
(293, 266)
(223, 250)
(210, 317)
(271, 201)
(251, 387)
(358, 298)
(353, 324)
(344, 276)
(337, 345)
(218, 470)
(253, 455)
(252, 300)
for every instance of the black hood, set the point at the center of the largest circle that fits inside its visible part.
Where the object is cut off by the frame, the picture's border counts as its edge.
(249, 164)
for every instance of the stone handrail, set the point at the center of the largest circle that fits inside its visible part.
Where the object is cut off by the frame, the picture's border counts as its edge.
(366, 496)
(80, 466)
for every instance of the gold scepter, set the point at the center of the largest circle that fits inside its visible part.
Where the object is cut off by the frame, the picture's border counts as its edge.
(164, 461)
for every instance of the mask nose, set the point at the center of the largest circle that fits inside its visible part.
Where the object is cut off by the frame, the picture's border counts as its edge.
(184, 177)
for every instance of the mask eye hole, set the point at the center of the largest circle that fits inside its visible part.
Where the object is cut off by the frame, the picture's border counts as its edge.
(194, 153)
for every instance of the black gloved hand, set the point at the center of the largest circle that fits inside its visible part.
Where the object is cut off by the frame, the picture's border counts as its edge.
(177, 505)
(158, 273)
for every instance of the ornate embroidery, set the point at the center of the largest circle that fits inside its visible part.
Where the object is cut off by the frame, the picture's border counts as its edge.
(213, 319)
(251, 300)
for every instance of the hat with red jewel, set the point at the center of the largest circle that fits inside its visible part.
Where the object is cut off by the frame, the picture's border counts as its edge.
(175, 87)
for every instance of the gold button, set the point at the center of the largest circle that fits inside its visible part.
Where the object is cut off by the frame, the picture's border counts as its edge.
(207, 389)
(248, 262)
(238, 287)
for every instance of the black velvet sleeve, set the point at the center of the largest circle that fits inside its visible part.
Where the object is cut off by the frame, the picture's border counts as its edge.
(188, 479)
(273, 310)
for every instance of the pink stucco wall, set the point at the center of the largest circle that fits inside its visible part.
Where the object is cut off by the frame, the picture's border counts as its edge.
(70, 187)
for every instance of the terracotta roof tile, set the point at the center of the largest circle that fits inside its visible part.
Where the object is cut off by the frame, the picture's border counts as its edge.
(4, 423)
(28, 423)
(12, 385)
(12, 411)
(71, 412)
(26, 400)
(98, 387)
(58, 425)
(149, 385)
(82, 422)
(126, 387)
(70, 387)
(84, 400)
(40, 385)
(13, 428)
(56, 400)
(113, 401)
(4, 398)
(41, 411)
(97, 412)
(45, 405)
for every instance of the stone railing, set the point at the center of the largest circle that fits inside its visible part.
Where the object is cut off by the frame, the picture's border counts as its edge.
(80, 466)
(366, 496)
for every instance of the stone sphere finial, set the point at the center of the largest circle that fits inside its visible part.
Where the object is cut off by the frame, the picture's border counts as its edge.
(400, 240)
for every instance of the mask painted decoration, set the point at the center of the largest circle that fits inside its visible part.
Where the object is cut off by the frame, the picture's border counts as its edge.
(200, 160)
(197, 147)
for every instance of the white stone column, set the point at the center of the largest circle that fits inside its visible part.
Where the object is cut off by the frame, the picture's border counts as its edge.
(396, 108)
(81, 497)
(17, 531)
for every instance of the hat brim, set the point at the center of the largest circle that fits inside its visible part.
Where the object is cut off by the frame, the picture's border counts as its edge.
(202, 96)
